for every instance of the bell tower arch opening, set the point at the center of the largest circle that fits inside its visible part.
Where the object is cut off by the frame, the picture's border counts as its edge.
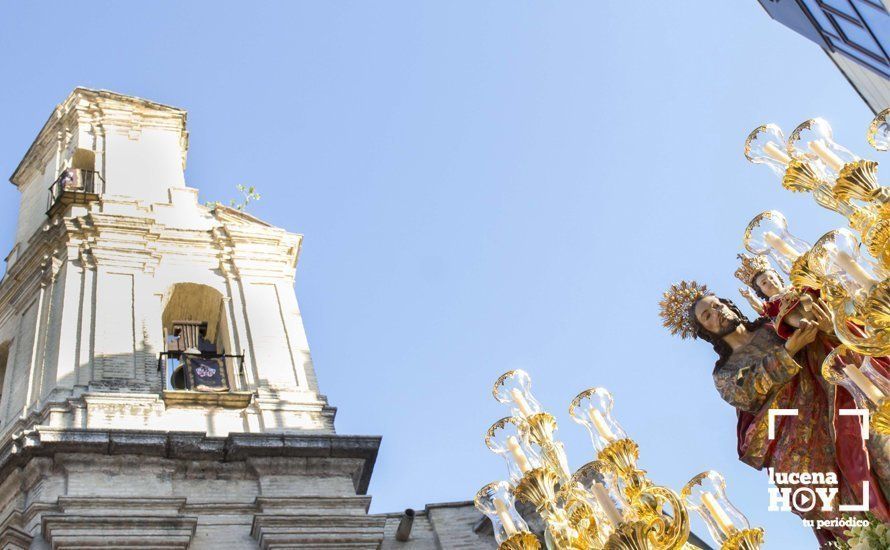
(83, 159)
(195, 337)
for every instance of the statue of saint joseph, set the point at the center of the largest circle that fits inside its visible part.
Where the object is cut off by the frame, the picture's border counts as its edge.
(761, 368)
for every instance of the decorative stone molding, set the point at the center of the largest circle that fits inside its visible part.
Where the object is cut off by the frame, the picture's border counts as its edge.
(13, 538)
(313, 505)
(226, 400)
(119, 505)
(65, 531)
(116, 405)
(47, 442)
(12, 533)
(317, 531)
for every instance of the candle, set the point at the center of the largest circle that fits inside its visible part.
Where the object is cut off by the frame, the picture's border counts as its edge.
(520, 401)
(776, 153)
(518, 455)
(504, 516)
(599, 422)
(820, 148)
(871, 391)
(601, 494)
(563, 461)
(717, 512)
(854, 270)
(780, 246)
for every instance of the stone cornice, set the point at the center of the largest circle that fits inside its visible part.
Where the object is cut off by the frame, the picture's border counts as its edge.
(13, 537)
(99, 108)
(226, 400)
(318, 531)
(238, 246)
(46, 442)
(72, 504)
(311, 504)
(126, 531)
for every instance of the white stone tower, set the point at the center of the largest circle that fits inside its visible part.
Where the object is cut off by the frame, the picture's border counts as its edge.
(113, 257)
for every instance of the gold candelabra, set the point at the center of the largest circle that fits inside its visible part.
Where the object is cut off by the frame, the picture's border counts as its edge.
(608, 503)
(850, 267)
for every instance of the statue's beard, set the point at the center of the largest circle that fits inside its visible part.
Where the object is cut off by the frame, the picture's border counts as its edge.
(731, 325)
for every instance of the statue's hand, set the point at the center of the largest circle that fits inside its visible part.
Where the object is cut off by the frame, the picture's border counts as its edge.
(822, 316)
(804, 335)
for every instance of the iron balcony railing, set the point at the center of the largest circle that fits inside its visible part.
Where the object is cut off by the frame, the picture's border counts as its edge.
(74, 186)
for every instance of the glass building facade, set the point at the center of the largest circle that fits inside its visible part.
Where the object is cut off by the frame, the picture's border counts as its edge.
(854, 33)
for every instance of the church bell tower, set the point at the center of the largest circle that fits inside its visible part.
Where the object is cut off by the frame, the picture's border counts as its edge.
(156, 384)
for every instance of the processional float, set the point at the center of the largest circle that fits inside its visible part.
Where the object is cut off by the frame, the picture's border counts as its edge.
(608, 503)
(849, 266)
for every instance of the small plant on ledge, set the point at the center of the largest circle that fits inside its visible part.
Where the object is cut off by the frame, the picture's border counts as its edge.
(248, 195)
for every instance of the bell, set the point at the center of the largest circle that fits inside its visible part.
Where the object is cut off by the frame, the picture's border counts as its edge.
(177, 379)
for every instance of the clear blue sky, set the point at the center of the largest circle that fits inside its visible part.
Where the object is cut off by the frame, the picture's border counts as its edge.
(482, 186)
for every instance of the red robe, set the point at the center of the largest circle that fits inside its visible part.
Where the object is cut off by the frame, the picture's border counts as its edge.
(841, 449)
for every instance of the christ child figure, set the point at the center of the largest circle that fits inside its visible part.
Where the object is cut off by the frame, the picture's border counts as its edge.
(785, 305)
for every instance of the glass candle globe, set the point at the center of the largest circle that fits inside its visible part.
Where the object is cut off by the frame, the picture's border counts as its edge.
(813, 140)
(856, 374)
(593, 409)
(513, 388)
(602, 484)
(706, 494)
(768, 234)
(824, 197)
(549, 449)
(496, 501)
(766, 145)
(507, 439)
(879, 131)
(842, 259)
(585, 516)
(877, 375)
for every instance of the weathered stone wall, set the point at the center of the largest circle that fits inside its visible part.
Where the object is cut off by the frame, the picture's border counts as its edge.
(442, 526)
(95, 488)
